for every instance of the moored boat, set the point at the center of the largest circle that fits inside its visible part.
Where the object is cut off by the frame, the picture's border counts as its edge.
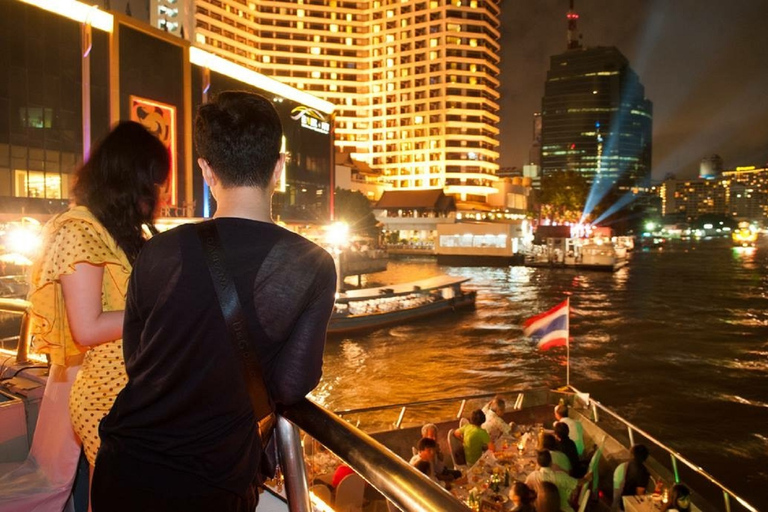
(578, 253)
(372, 308)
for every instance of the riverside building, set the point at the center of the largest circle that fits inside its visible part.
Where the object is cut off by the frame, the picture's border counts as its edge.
(741, 193)
(69, 71)
(415, 83)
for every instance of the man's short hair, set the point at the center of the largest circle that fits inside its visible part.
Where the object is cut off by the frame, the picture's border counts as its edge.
(498, 405)
(639, 453)
(562, 430)
(548, 442)
(561, 410)
(544, 458)
(477, 418)
(240, 135)
(426, 443)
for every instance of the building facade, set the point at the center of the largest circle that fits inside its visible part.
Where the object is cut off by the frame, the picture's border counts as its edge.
(415, 83)
(741, 193)
(56, 101)
(596, 119)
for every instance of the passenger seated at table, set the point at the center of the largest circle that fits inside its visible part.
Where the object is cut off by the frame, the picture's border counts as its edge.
(575, 428)
(475, 439)
(560, 461)
(679, 499)
(547, 498)
(426, 452)
(565, 484)
(637, 477)
(566, 445)
(522, 497)
(494, 422)
(442, 473)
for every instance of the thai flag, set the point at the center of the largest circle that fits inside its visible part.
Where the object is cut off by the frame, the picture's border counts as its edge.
(549, 329)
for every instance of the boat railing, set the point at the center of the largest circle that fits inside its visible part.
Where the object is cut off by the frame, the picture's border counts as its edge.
(677, 463)
(19, 307)
(389, 474)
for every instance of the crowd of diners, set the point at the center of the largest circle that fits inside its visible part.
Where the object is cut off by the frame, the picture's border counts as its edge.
(562, 462)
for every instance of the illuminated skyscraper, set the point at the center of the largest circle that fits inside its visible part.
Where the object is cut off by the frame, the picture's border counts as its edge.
(595, 117)
(415, 82)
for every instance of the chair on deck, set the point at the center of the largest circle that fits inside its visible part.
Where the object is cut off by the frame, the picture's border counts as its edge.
(584, 497)
(458, 456)
(594, 466)
(349, 494)
(619, 476)
(323, 492)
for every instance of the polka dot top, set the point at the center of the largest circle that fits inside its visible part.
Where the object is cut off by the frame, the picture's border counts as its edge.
(75, 236)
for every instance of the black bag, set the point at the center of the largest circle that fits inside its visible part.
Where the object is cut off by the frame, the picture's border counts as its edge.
(237, 326)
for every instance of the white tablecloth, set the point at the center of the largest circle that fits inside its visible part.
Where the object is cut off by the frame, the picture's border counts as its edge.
(641, 504)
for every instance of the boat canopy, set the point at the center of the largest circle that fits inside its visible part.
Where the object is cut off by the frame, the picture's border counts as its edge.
(432, 283)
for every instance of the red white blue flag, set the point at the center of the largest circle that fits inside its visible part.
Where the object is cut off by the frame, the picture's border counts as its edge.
(549, 329)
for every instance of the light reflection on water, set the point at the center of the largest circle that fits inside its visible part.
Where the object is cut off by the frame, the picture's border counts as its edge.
(676, 342)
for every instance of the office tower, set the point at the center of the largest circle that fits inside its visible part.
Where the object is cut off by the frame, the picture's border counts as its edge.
(595, 118)
(415, 83)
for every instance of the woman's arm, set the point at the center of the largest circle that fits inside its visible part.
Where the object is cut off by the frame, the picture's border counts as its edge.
(89, 324)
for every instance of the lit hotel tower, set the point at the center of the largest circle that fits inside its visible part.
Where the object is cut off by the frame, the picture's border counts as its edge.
(415, 83)
(595, 117)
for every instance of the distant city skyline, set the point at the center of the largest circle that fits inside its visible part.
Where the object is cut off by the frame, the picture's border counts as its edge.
(703, 63)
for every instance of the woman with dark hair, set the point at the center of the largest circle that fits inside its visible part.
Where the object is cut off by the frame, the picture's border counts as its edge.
(79, 282)
(679, 499)
(523, 497)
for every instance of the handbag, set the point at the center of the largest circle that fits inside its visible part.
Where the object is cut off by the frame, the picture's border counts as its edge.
(237, 327)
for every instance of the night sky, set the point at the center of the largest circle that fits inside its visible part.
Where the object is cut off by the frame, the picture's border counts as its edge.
(704, 65)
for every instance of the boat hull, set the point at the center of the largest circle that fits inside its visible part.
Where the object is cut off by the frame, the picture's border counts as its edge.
(341, 325)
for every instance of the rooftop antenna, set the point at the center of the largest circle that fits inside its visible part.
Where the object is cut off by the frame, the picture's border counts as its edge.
(573, 40)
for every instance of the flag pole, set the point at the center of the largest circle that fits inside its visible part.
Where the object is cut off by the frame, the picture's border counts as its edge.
(568, 343)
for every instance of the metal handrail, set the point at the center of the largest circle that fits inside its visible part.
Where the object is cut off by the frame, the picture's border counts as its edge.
(25, 332)
(432, 402)
(727, 493)
(403, 485)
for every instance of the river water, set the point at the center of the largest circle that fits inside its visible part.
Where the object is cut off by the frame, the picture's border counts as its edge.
(676, 342)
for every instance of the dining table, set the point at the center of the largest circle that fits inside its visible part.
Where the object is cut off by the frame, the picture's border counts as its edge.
(647, 503)
(487, 482)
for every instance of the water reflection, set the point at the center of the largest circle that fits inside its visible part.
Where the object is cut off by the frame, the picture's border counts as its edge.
(670, 341)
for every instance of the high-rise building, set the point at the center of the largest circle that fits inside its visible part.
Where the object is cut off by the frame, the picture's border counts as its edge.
(415, 83)
(596, 119)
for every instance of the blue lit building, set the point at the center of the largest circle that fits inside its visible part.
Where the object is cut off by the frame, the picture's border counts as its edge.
(596, 119)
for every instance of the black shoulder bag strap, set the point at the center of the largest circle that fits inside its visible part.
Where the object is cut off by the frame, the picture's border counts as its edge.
(237, 326)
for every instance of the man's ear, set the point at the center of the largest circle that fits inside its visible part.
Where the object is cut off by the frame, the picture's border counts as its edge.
(279, 170)
(208, 175)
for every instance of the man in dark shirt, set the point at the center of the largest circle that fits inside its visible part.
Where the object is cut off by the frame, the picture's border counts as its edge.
(566, 445)
(638, 476)
(182, 434)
